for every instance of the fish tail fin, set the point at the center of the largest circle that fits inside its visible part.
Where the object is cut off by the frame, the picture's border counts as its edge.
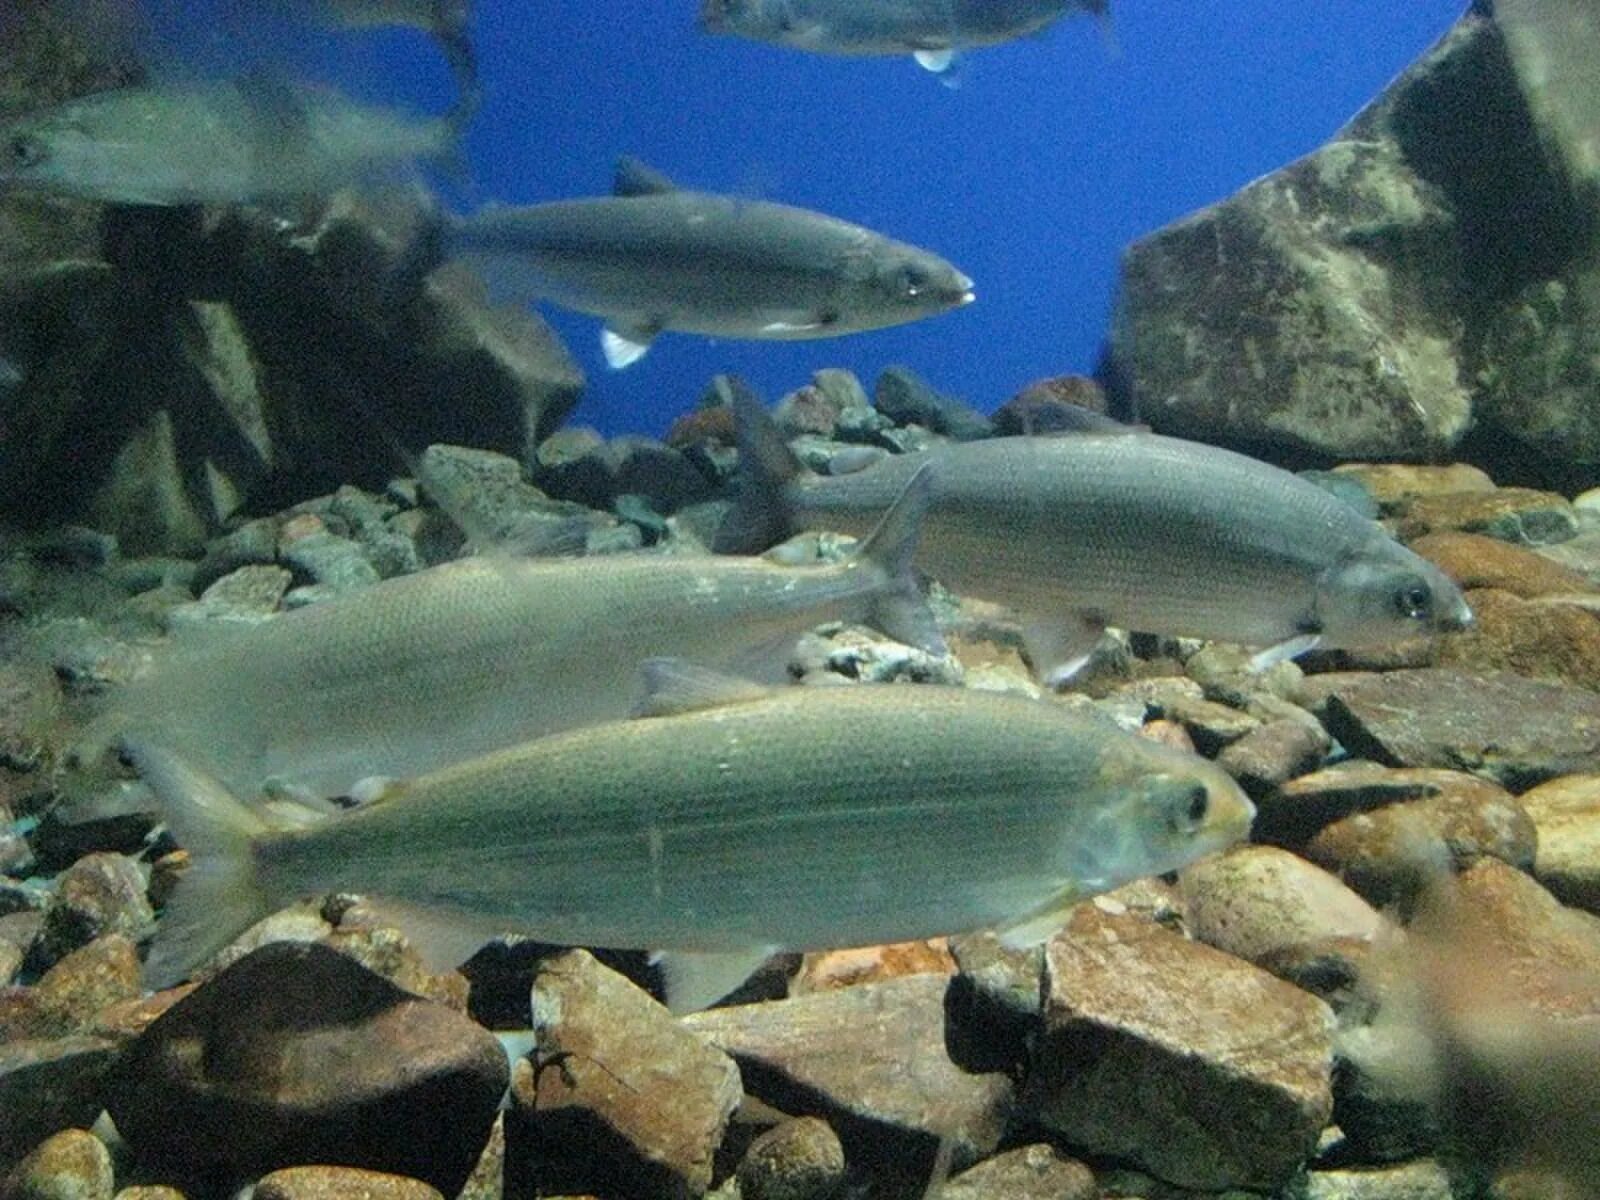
(897, 606)
(761, 515)
(219, 895)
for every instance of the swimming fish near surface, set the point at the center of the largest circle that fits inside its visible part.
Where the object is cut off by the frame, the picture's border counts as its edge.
(237, 141)
(728, 823)
(1115, 526)
(476, 654)
(933, 31)
(653, 257)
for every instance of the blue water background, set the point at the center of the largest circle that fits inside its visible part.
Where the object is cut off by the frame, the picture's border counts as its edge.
(1051, 156)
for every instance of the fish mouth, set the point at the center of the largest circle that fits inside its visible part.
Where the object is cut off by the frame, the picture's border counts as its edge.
(1459, 620)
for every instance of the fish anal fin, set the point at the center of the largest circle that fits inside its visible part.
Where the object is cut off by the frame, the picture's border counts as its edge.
(693, 979)
(1060, 648)
(445, 938)
(1039, 926)
(635, 178)
(673, 686)
(937, 61)
(1289, 648)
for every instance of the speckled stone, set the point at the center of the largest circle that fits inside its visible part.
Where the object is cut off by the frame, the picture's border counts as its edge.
(298, 1054)
(1270, 755)
(1038, 1172)
(830, 969)
(1296, 812)
(1475, 561)
(1394, 484)
(75, 990)
(340, 1183)
(874, 1061)
(1258, 901)
(797, 1159)
(97, 895)
(1188, 1062)
(1566, 812)
(1421, 1180)
(619, 1097)
(1516, 731)
(1512, 514)
(149, 1191)
(70, 1165)
(1544, 639)
(48, 1086)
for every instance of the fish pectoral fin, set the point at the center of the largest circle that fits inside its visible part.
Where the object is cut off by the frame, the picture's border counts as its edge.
(790, 328)
(1040, 926)
(1285, 650)
(673, 686)
(1059, 649)
(635, 178)
(445, 938)
(624, 347)
(694, 979)
(937, 61)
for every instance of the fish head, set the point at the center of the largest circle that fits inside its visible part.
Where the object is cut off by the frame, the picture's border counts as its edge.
(890, 283)
(1386, 593)
(55, 152)
(765, 20)
(1157, 809)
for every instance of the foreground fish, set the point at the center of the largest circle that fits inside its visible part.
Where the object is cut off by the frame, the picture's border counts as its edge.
(238, 141)
(1113, 526)
(730, 823)
(933, 31)
(653, 257)
(428, 668)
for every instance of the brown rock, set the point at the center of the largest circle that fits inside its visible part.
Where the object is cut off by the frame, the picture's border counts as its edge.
(1475, 561)
(1168, 733)
(340, 1183)
(1272, 754)
(1295, 813)
(1566, 812)
(74, 991)
(97, 895)
(1038, 1172)
(798, 1159)
(830, 969)
(71, 1165)
(11, 957)
(1257, 901)
(1516, 731)
(1390, 853)
(1188, 1062)
(874, 1061)
(620, 1097)
(1542, 639)
(1521, 515)
(297, 1054)
(49, 1086)
(149, 1191)
(487, 1181)
(1393, 485)
(1420, 1180)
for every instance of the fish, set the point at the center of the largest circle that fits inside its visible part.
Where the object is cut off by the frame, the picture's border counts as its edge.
(931, 31)
(723, 823)
(653, 257)
(475, 654)
(246, 140)
(1110, 525)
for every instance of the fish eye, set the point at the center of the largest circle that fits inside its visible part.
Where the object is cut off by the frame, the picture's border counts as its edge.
(911, 281)
(24, 151)
(1414, 601)
(1190, 807)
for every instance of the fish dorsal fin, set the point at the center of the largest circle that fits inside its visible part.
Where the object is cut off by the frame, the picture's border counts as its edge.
(937, 61)
(634, 178)
(625, 345)
(693, 980)
(1069, 419)
(673, 686)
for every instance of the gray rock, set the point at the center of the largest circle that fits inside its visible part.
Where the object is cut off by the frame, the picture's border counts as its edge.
(244, 596)
(254, 543)
(1516, 731)
(1038, 1172)
(1270, 755)
(903, 396)
(11, 956)
(874, 1061)
(97, 895)
(618, 1096)
(798, 1159)
(30, 707)
(334, 564)
(48, 1086)
(1422, 1180)
(663, 476)
(296, 1054)
(70, 1165)
(855, 653)
(1186, 1061)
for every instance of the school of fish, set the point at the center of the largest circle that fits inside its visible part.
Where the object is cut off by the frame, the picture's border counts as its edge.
(481, 708)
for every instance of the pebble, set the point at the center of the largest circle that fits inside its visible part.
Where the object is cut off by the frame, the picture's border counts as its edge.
(874, 1061)
(1475, 561)
(70, 1165)
(1294, 813)
(253, 543)
(1050, 405)
(1523, 516)
(296, 1054)
(863, 655)
(334, 564)
(1258, 901)
(1543, 639)
(97, 895)
(72, 993)
(906, 399)
(30, 706)
(1395, 484)
(1270, 755)
(1516, 731)
(1037, 1172)
(1188, 1062)
(797, 1159)
(244, 596)
(48, 1086)
(1212, 726)
(149, 1191)
(90, 816)
(1566, 812)
(1421, 1180)
(827, 970)
(619, 1096)
(340, 1183)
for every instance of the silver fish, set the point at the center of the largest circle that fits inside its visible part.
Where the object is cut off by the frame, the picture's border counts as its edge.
(933, 31)
(473, 655)
(653, 257)
(1115, 526)
(729, 823)
(237, 141)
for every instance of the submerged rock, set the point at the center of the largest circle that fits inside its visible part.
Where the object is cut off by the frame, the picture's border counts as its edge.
(48, 1086)
(799, 1159)
(1566, 812)
(71, 1165)
(1039, 1172)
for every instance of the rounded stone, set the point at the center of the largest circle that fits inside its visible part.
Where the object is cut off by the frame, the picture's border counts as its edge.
(70, 1165)
(340, 1183)
(799, 1159)
(97, 895)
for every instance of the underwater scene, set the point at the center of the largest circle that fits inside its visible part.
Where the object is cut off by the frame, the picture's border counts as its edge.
(799, 600)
